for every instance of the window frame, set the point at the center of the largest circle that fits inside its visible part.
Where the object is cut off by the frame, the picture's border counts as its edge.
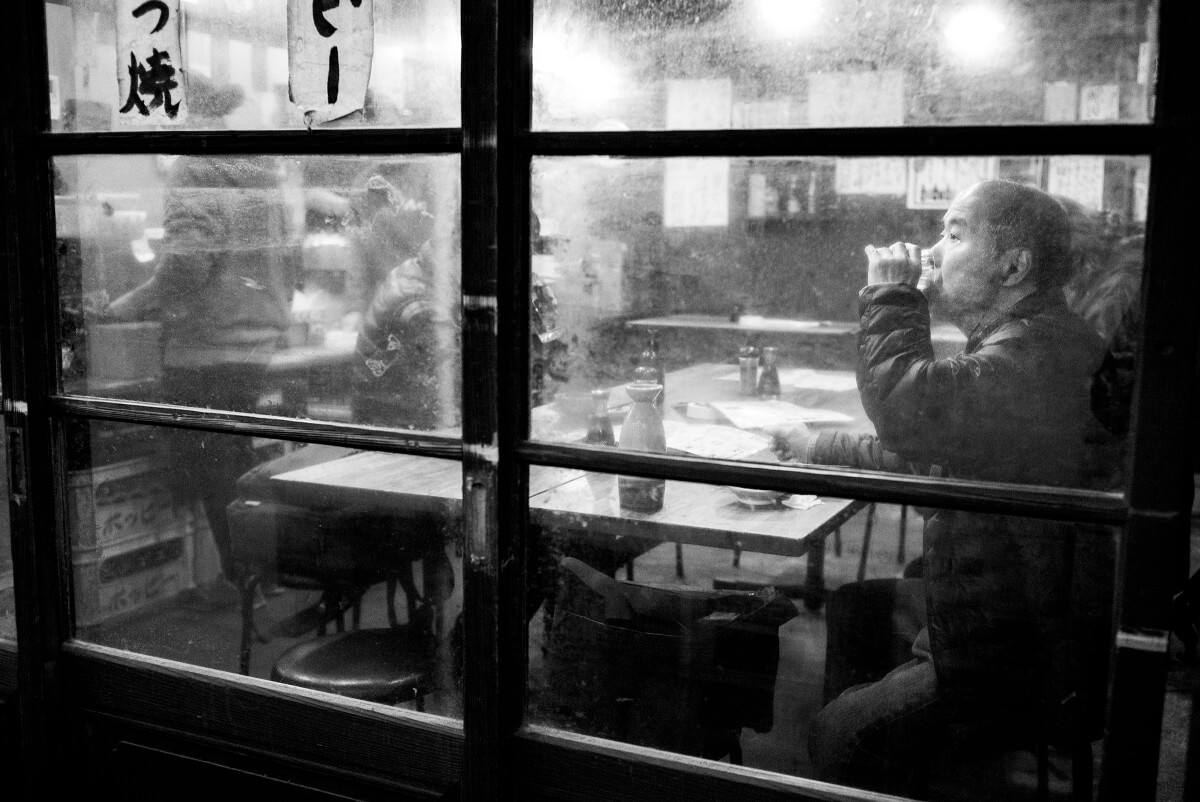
(67, 685)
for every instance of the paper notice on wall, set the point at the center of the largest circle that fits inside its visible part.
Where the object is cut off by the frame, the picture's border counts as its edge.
(150, 89)
(1100, 102)
(763, 114)
(696, 193)
(1145, 65)
(882, 176)
(330, 48)
(699, 104)
(1062, 102)
(934, 182)
(857, 99)
(1141, 193)
(55, 99)
(1080, 178)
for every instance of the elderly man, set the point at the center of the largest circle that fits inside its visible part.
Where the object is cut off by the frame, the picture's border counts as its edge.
(1010, 616)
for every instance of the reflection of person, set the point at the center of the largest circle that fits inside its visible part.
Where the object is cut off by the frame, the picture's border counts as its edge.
(1011, 614)
(222, 288)
(407, 349)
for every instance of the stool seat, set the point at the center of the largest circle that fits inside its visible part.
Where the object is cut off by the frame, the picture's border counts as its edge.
(389, 666)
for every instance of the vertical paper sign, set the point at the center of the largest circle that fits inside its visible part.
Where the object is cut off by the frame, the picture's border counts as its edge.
(1062, 102)
(879, 176)
(330, 47)
(699, 104)
(1080, 178)
(148, 63)
(696, 193)
(867, 99)
(1101, 102)
(934, 182)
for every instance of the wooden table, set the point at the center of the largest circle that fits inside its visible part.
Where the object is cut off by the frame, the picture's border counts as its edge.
(394, 485)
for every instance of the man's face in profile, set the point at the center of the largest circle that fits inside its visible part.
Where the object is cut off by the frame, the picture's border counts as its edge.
(970, 270)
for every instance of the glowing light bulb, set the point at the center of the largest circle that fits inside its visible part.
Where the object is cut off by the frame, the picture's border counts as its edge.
(977, 33)
(784, 19)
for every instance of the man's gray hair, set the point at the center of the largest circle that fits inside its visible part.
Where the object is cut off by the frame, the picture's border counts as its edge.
(1021, 216)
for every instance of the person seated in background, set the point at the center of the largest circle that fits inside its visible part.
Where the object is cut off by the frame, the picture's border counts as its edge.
(1011, 615)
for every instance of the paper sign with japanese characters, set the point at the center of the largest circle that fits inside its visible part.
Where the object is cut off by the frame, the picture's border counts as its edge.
(866, 99)
(149, 63)
(330, 47)
(696, 193)
(934, 182)
(874, 176)
(1080, 178)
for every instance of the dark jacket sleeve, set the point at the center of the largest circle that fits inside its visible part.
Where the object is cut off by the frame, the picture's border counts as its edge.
(857, 451)
(924, 409)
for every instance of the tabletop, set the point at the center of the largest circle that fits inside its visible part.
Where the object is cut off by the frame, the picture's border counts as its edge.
(562, 498)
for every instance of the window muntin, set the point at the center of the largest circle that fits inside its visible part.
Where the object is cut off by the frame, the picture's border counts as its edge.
(8, 613)
(176, 534)
(320, 287)
(239, 49)
(707, 257)
(680, 682)
(839, 63)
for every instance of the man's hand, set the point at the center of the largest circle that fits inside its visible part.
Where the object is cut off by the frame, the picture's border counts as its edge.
(899, 264)
(789, 442)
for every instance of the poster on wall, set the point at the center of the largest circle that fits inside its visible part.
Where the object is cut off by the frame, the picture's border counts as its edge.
(934, 182)
(856, 99)
(150, 88)
(696, 193)
(875, 176)
(1100, 102)
(699, 104)
(1080, 178)
(330, 47)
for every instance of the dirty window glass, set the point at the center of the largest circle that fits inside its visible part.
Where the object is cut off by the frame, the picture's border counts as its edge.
(711, 64)
(286, 561)
(738, 288)
(235, 67)
(321, 287)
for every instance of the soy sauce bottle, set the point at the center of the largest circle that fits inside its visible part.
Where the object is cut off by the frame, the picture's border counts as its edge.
(642, 431)
(650, 369)
(768, 380)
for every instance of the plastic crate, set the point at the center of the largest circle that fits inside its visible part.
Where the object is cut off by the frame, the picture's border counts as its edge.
(124, 501)
(114, 581)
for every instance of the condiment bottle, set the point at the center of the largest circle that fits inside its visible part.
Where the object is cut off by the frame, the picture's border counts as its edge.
(650, 368)
(768, 380)
(748, 369)
(642, 431)
(600, 430)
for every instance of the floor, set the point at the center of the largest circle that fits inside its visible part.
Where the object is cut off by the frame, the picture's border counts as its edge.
(202, 627)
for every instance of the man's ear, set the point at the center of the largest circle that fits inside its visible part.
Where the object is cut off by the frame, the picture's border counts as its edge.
(1017, 264)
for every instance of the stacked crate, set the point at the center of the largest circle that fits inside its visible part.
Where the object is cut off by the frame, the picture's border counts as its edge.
(130, 547)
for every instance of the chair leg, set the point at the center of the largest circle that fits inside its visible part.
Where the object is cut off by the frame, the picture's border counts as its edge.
(629, 570)
(837, 542)
(900, 550)
(1081, 771)
(248, 586)
(866, 546)
(679, 560)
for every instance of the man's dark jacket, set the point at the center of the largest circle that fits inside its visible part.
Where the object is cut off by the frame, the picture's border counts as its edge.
(1019, 608)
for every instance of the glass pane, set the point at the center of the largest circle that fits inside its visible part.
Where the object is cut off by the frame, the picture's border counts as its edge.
(315, 287)
(710, 64)
(235, 71)
(177, 536)
(735, 285)
(736, 624)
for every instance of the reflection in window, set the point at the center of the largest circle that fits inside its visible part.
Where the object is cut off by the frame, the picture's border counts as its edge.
(790, 632)
(235, 66)
(311, 565)
(617, 65)
(8, 621)
(319, 287)
(735, 285)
